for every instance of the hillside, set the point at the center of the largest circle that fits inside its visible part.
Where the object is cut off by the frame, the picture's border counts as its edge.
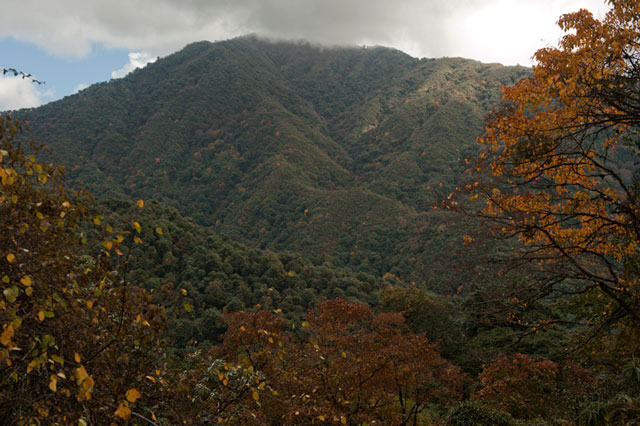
(337, 154)
(220, 275)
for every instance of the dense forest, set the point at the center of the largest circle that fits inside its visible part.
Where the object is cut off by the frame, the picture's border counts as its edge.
(257, 233)
(339, 154)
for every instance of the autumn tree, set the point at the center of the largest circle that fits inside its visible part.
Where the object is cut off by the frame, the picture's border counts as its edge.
(78, 345)
(528, 387)
(344, 364)
(557, 173)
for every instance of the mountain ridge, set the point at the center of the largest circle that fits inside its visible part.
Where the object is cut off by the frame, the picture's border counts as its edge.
(336, 153)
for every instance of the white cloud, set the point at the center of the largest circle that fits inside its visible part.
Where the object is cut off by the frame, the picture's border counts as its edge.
(136, 60)
(501, 30)
(16, 93)
(79, 87)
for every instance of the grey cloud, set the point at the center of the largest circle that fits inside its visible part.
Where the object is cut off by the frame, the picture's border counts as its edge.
(423, 27)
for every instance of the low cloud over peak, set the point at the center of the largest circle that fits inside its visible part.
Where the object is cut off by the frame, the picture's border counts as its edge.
(487, 30)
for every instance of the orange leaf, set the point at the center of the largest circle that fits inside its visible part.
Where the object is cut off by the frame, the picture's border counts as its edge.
(53, 383)
(7, 334)
(132, 395)
(123, 411)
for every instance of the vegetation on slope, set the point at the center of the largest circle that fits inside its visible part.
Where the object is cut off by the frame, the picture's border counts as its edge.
(334, 153)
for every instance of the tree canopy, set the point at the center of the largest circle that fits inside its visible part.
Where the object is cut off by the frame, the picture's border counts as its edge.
(558, 170)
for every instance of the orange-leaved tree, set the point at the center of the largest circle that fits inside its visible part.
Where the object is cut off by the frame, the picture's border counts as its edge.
(344, 365)
(528, 387)
(557, 172)
(77, 344)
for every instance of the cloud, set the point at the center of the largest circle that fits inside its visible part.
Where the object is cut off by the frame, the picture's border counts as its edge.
(79, 87)
(136, 60)
(16, 93)
(471, 28)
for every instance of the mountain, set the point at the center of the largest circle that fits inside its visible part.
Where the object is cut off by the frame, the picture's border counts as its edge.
(187, 263)
(335, 153)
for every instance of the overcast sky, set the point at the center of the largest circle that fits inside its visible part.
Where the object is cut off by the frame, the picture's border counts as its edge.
(71, 44)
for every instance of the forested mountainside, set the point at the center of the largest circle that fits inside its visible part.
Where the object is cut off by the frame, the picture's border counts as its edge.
(263, 248)
(220, 275)
(335, 153)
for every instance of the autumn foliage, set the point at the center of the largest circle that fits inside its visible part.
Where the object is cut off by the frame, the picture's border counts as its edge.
(555, 178)
(344, 364)
(555, 171)
(77, 344)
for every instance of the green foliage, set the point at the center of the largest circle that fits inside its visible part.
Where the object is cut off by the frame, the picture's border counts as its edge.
(474, 413)
(189, 264)
(335, 153)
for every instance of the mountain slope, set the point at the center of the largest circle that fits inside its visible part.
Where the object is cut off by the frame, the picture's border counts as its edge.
(335, 153)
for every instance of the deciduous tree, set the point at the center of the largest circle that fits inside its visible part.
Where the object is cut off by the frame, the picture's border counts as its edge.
(77, 344)
(557, 172)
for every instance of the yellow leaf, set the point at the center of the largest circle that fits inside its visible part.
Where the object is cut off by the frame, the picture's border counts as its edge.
(26, 280)
(255, 396)
(140, 203)
(28, 291)
(81, 374)
(159, 230)
(7, 334)
(87, 384)
(305, 323)
(344, 355)
(343, 420)
(11, 257)
(151, 378)
(183, 291)
(53, 383)
(123, 411)
(41, 316)
(132, 395)
(137, 227)
(97, 220)
(33, 364)
(76, 356)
